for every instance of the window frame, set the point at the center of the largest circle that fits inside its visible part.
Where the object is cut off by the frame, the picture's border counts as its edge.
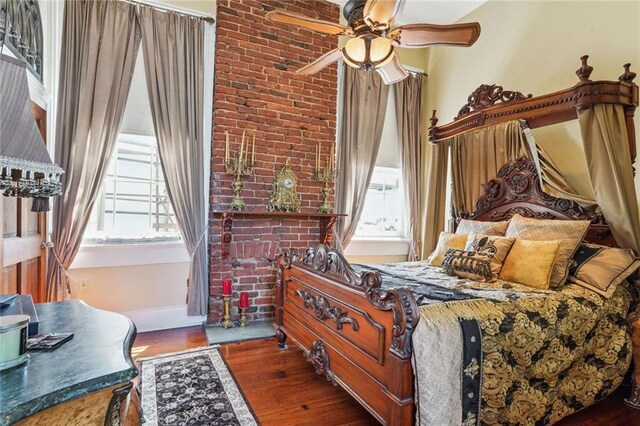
(125, 241)
(403, 235)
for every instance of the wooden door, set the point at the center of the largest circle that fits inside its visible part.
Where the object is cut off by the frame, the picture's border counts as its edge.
(23, 259)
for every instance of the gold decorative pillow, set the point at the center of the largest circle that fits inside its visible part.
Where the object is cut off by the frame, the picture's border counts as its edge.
(530, 263)
(569, 232)
(488, 228)
(465, 264)
(600, 268)
(492, 245)
(446, 241)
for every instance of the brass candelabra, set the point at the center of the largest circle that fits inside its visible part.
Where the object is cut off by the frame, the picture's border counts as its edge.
(325, 174)
(226, 321)
(243, 317)
(239, 166)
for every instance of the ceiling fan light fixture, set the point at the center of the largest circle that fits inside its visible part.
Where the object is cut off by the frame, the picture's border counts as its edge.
(355, 50)
(367, 52)
(380, 50)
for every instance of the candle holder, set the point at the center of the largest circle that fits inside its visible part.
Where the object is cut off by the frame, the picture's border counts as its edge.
(226, 321)
(326, 175)
(243, 317)
(239, 166)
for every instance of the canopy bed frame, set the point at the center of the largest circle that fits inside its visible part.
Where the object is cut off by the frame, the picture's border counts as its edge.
(358, 335)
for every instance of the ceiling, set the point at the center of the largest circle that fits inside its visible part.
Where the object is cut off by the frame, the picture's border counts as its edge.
(431, 11)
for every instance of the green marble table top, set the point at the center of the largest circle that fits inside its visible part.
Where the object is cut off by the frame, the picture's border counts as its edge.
(98, 356)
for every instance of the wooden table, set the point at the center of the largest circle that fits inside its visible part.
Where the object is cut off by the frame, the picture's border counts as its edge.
(84, 381)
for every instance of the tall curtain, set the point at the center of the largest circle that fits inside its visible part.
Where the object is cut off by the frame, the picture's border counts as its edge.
(435, 196)
(99, 44)
(606, 146)
(364, 98)
(476, 158)
(408, 94)
(173, 48)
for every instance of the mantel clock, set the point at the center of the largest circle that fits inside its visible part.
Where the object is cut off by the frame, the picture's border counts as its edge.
(284, 196)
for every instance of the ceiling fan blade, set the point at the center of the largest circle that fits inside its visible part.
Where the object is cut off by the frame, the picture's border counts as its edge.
(308, 23)
(379, 14)
(323, 61)
(424, 35)
(393, 71)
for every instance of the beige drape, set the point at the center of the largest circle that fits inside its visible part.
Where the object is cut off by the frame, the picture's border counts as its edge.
(435, 196)
(99, 45)
(476, 158)
(606, 147)
(408, 98)
(552, 181)
(173, 48)
(364, 100)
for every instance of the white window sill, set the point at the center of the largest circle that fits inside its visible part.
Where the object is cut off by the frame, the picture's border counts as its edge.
(106, 255)
(378, 246)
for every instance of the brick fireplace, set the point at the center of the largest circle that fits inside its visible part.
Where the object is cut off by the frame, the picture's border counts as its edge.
(256, 91)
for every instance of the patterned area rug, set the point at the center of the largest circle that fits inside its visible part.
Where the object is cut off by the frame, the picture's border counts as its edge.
(193, 387)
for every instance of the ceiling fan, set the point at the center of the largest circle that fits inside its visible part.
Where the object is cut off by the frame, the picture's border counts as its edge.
(372, 41)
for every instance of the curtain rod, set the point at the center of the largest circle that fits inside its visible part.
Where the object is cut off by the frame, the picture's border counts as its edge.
(170, 8)
(414, 70)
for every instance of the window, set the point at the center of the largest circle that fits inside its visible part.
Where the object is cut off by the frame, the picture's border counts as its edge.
(384, 209)
(133, 203)
(383, 214)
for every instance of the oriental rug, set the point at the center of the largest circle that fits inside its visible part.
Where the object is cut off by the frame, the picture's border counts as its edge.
(193, 387)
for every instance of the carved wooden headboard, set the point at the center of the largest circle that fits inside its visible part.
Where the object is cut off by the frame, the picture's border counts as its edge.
(516, 190)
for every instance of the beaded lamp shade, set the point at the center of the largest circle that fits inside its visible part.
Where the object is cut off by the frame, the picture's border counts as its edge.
(26, 169)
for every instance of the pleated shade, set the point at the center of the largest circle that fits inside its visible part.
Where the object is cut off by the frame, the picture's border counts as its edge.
(26, 169)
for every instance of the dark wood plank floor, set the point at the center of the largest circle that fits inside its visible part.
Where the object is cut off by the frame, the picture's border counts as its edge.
(283, 389)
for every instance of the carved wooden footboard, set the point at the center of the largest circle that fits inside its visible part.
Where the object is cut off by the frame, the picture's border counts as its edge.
(352, 332)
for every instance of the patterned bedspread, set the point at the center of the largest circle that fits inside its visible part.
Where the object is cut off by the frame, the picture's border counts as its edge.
(503, 353)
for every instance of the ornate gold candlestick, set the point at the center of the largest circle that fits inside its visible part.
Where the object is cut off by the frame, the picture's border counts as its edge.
(325, 175)
(239, 166)
(243, 317)
(226, 322)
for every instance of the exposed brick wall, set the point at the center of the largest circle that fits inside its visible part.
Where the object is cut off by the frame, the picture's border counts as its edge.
(257, 91)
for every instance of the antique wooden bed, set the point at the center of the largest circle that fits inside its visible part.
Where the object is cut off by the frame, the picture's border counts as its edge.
(360, 336)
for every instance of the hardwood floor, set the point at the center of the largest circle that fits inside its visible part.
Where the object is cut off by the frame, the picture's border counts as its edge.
(283, 389)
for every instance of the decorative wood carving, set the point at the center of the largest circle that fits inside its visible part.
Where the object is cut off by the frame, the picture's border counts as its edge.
(489, 94)
(585, 70)
(21, 32)
(627, 76)
(112, 417)
(516, 190)
(548, 109)
(323, 259)
(319, 357)
(324, 311)
(400, 301)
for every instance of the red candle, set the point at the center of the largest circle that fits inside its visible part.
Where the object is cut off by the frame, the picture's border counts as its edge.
(244, 300)
(226, 288)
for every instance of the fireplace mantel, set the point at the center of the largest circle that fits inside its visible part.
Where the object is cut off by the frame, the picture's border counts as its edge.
(327, 220)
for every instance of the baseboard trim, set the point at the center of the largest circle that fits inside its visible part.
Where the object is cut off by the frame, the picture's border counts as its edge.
(163, 318)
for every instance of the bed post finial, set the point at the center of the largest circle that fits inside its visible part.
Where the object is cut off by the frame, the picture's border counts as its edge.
(584, 72)
(627, 76)
(432, 129)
